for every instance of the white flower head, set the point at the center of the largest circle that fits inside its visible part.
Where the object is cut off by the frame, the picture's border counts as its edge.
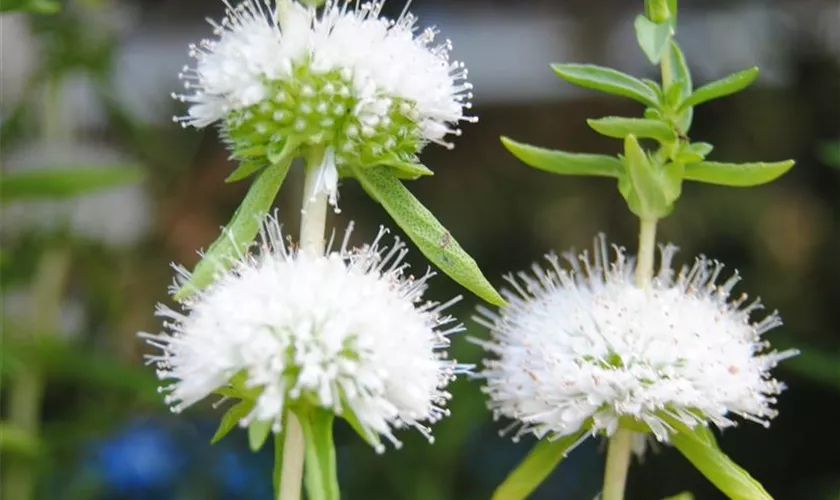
(372, 91)
(583, 347)
(347, 331)
(116, 216)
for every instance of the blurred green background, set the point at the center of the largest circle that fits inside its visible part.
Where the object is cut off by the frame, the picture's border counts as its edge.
(90, 84)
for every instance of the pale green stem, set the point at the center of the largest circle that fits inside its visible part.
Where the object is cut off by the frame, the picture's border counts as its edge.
(618, 462)
(27, 387)
(620, 445)
(312, 225)
(666, 69)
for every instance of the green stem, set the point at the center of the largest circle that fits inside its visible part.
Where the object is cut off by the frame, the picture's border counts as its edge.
(312, 225)
(620, 445)
(618, 462)
(666, 69)
(27, 389)
(647, 251)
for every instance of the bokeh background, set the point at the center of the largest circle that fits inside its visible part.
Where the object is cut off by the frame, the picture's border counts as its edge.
(90, 85)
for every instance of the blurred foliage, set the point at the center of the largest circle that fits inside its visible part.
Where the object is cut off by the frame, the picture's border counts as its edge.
(106, 434)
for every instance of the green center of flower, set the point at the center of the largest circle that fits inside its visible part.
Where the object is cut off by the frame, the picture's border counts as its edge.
(323, 110)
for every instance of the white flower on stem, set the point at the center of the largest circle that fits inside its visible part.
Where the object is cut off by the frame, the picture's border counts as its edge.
(369, 90)
(347, 331)
(584, 346)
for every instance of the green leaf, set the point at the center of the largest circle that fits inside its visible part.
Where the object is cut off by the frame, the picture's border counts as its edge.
(685, 495)
(241, 229)
(719, 469)
(720, 88)
(672, 10)
(245, 169)
(320, 474)
(258, 432)
(682, 77)
(15, 440)
(560, 162)
(736, 174)
(533, 470)
(33, 6)
(607, 80)
(436, 243)
(65, 182)
(650, 190)
(619, 128)
(653, 35)
(692, 152)
(408, 170)
(658, 10)
(231, 418)
(830, 154)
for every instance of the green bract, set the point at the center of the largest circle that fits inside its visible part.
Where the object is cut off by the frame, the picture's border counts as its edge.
(316, 110)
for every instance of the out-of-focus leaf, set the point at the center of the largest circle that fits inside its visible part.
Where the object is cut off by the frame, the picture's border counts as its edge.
(619, 128)
(725, 474)
(607, 80)
(685, 495)
(830, 154)
(818, 365)
(231, 418)
(560, 162)
(736, 174)
(17, 441)
(320, 475)
(60, 360)
(33, 6)
(653, 34)
(258, 432)
(532, 471)
(436, 243)
(720, 88)
(65, 182)
(240, 231)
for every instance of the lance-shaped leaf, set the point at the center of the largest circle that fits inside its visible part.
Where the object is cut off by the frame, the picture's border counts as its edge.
(320, 474)
(607, 80)
(725, 474)
(619, 128)
(65, 182)
(436, 243)
(653, 35)
(240, 231)
(736, 174)
(682, 77)
(720, 88)
(232, 417)
(533, 470)
(560, 162)
(258, 432)
(256, 158)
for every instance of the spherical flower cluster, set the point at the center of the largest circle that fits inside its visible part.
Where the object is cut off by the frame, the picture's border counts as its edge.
(346, 331)
(115, 216)
(584, 348)
(363, 88)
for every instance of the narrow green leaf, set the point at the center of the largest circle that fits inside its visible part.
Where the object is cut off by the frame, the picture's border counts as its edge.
(672, 10)
(320, 474)
(560, 162)
(719, 469)
(607, 80)
(619, 128)
(245, 169)
(231, 418)
(685, 495)
(830, 154)
(537, 465)
(241, 229)
(653, 34)
(736, 174)
(258, 432)
(65, 182)
(409, 170)
(720, 88)
(436, 243)
(277, 473)
(33, 6)
(682, 76)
